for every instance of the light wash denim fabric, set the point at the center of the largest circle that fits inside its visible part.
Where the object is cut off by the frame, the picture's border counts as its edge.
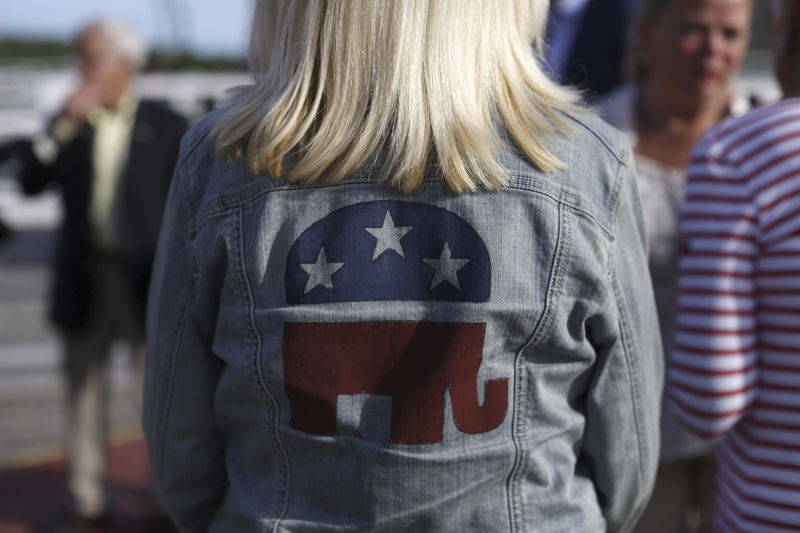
(346, 358)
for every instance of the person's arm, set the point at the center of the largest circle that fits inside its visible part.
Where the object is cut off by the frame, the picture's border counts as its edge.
(713, 376)
(39, 157)
(186, 449)
(621, 440)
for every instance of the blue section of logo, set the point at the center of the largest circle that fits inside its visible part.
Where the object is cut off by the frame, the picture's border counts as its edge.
(388, 250)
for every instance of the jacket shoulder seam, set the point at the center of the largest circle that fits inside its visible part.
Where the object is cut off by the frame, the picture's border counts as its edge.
(601, 138)
(193, 140)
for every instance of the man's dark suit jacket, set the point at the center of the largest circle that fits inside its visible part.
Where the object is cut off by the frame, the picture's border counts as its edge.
(144, 183)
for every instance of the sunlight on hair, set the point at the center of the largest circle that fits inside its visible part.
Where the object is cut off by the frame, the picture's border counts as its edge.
(342, 85)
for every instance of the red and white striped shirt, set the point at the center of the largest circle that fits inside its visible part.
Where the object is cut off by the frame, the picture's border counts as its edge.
(735, 369)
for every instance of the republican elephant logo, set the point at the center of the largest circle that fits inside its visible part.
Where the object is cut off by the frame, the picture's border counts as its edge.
(379, 251)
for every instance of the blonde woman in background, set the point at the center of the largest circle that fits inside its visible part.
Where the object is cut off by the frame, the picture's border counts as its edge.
(688, 52)
(403, 287)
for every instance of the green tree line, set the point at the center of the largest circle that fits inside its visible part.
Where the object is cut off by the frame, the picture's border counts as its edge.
(57, 53)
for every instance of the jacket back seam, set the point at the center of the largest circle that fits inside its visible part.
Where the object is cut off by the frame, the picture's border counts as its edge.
(557, 270)
(254, 348)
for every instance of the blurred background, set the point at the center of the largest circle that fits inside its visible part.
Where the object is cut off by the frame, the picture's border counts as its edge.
(197, 51)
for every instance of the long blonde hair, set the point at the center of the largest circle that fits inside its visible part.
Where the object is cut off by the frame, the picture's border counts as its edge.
(340, 84)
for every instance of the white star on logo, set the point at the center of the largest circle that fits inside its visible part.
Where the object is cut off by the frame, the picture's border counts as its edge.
(388, 236)
(446, 268)
(321, 272)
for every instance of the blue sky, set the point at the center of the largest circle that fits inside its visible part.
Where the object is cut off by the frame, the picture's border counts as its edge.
(205, 26)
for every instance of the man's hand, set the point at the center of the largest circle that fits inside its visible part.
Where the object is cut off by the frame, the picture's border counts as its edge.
(83, 101)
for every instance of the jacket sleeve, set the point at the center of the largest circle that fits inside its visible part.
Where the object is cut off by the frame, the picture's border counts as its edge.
(621, 441)
(39, 157)
(181, 375)
(34, 174)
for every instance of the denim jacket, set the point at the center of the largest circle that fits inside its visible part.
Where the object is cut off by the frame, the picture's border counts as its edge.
(347, 358)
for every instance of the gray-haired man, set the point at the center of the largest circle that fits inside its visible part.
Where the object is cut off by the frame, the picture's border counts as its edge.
(113, 157)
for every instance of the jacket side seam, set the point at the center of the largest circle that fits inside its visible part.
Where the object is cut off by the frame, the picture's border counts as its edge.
(627, 338)
(167, 380)
(634, 376)
(175, 340)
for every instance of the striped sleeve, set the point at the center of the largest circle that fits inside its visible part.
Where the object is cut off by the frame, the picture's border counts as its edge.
(740, 273)
(713, 377)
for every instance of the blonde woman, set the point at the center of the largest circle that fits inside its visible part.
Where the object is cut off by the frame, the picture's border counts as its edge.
(402, 287)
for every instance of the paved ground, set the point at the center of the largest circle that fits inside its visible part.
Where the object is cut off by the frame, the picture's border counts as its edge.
(32, 496)
(32, 489)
